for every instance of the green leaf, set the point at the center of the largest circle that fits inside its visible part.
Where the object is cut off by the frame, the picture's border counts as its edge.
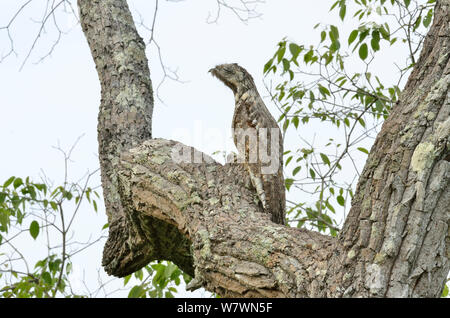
(417, 23)
(34, 229)
(325, 159)
(295, 50)
(41, 263)
(47, 278)
(285, 125)
(54, 205)
(334, 33)
(363, 34)
(375, 42)
(268, 65)
(288, 183)
(281, 95)
(295, 121)
(323, 36)
(2, 197)
(407, 2)
(347, 122)
(54, 266)
(126, 279)
(68, 268)
(352, 36)
(288, 160)
(328, 56)
(4, 220)
(363, 51)
(8, 182)
(308, 56)
(384, 33)
(376, 34)
(340, 200)
(329, 206)
(334, 5)
(427, 20)
(379, 106)
(363, 150)
(342, 12)
(334, 47)
(17, 183)
(31, 191)
(378, 9)
(168, 294)
(169, 270)
(296, 170)
(291, 75)
(445, 291)
(312, 173)
(286, 65)
(68, 195)
(136, 292)
(362, 122)
(280, 53)
(139, 274)
(41, 187)
(311, 96)
(324, 91)
(361, 15)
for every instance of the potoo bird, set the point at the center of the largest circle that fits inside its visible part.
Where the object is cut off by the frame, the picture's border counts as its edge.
(258, 139)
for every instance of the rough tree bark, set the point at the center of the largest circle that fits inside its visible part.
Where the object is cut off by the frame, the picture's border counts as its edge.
(204, 217)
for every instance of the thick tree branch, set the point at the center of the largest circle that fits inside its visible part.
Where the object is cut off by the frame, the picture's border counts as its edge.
(125, 115)
(236, 249)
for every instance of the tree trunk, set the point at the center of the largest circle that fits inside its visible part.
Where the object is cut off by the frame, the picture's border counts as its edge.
(396, 239)
(204, 217)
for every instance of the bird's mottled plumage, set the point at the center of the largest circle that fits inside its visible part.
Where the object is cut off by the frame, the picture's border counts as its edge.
(250, 112)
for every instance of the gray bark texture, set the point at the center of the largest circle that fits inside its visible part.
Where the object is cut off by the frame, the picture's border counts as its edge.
(205, 218)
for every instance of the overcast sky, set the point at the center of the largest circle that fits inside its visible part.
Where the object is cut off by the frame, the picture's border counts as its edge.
(56, 100)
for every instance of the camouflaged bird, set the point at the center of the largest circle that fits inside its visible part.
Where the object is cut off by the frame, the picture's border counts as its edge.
(258, 139)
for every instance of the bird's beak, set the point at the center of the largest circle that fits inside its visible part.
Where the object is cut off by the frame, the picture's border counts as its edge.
(213, 72)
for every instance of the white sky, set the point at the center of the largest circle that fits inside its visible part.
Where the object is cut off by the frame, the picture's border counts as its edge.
(58, 99)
